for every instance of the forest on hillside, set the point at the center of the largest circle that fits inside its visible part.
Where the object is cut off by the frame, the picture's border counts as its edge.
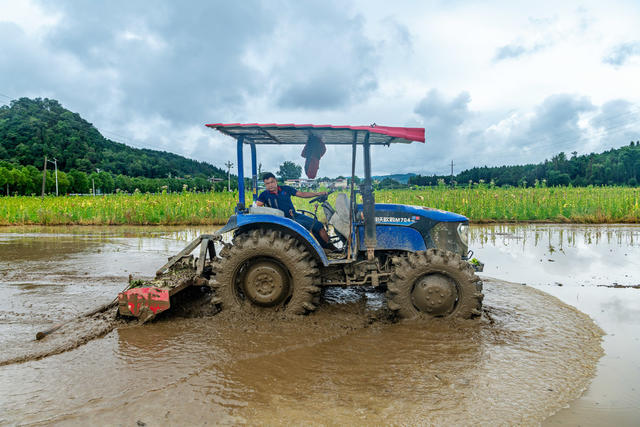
(31, 129)
(620, 166)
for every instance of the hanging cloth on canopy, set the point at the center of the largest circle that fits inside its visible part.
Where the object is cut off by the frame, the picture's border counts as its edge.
(313, 151)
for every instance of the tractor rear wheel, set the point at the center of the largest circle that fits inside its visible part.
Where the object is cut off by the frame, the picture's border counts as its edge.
(266, 270)
(434, 283)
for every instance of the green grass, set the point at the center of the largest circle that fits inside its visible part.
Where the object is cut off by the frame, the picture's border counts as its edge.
(480, 204)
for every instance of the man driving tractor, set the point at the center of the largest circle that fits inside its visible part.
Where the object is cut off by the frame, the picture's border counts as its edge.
(279, 197)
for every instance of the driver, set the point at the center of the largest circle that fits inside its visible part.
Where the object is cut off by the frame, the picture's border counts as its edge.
(279, 197)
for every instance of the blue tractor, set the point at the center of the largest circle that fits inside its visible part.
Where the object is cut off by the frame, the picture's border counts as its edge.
(418, 256)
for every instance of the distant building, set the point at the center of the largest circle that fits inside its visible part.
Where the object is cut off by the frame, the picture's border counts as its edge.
(339, 183)
(301, 183)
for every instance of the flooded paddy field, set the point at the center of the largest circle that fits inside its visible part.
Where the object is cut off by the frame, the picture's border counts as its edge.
(528, 357)
(596, 269)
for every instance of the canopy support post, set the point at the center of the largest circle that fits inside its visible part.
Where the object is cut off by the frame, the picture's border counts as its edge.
(352, 196)
(240, 206)
(368, 203)
(254, 172)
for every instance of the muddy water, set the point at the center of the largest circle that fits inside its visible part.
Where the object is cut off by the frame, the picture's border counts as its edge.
(596, 269)
(528, 357)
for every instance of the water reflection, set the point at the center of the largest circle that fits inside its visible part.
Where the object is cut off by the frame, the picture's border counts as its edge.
(578, 264)
(567, 255)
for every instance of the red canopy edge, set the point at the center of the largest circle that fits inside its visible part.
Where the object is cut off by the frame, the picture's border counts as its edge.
(410, 134)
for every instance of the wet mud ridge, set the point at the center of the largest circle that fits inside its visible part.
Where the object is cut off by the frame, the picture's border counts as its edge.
(69, 336)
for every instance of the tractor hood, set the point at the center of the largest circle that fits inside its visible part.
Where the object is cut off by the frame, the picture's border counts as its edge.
(392, 213)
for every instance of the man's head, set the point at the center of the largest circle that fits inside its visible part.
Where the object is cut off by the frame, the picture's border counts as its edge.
(270, 182)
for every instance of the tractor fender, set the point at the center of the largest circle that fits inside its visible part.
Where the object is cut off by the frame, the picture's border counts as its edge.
(244, 222)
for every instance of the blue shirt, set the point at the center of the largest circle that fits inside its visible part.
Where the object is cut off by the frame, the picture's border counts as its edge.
(281, 199)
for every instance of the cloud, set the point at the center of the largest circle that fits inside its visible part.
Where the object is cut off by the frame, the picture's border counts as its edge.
(167, 59)
(151, 76)
(152, 73)
(557, 118)
(509, 51)
(443, 117)
(323, 60)
(621, 53)
(619, 119)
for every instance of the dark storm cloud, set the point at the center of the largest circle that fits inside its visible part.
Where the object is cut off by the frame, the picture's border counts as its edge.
(622, 52)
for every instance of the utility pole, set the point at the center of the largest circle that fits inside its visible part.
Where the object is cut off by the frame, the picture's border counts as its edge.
(93, 183)
(229, 165)
(44, 176)
(451, 173)
(55, 164)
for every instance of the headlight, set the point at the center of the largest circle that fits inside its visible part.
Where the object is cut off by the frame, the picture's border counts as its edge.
(463, 232)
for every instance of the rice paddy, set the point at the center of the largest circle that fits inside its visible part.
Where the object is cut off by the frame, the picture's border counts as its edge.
(479, 204)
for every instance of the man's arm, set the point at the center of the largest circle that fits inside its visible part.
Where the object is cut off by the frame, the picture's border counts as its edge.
(309, 194)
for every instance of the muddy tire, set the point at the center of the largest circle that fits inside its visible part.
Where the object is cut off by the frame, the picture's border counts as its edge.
(266, 270)
(434, 283)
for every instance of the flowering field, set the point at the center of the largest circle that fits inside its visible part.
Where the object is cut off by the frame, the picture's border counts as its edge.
(480, 204)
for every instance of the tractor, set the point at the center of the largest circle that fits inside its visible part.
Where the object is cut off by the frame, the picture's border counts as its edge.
(263, 261)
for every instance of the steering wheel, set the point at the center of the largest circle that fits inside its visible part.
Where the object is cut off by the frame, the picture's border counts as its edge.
(321, 198)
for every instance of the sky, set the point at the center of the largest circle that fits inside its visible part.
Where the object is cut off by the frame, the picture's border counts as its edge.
(492, 82)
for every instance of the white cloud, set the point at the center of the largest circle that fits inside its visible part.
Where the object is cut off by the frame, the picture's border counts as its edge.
(493, 82)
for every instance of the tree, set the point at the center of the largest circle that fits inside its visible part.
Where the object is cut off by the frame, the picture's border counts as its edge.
(79, 182)
(289, 170)
(389, 183)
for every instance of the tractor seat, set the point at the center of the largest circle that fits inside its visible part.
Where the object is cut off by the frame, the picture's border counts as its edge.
(264, 210)
(340, 219)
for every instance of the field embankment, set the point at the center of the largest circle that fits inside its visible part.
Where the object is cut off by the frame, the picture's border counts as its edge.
(558, 204)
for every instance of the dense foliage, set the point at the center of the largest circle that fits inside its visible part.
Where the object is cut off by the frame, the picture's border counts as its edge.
(614, 167)
(33, 128)
(27, 180)
(289, 170)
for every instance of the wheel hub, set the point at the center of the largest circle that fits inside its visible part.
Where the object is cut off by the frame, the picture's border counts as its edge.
(266, 283)
(435, 294)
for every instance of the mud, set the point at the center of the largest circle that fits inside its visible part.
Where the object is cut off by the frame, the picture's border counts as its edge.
(71, 335)
(527, 357)
(617, 286)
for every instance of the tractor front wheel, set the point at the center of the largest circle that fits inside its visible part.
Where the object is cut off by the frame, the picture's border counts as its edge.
(266, 270)
(434, 283)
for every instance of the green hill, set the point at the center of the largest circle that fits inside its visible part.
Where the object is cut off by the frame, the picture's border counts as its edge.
(618, 166)
(33, 128)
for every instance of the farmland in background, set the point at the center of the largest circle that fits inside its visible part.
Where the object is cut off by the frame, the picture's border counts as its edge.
(478, 203)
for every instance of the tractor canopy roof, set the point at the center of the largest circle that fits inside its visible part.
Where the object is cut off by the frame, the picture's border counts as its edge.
(273, 133)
